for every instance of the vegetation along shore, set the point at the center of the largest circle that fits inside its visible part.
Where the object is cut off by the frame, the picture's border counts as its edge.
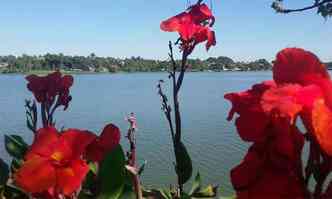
(94, 64)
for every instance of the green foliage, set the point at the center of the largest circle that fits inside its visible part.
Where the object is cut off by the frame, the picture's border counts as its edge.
(93, 63)
(12, 192)
(15, 164)
(325, 10)
(184, 166)
(208, 192)
(198, 192)
(197, 184)
(15, 146)
(112, 174)
(324, 7)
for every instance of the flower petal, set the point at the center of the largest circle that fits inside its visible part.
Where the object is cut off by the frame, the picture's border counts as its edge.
(70, 178)
(43, 142)
(110, 137)
(36, 175)
(200, 13)
(322, 125)
(295, 65)
(106, 142)
(174, 23)
(77, 140)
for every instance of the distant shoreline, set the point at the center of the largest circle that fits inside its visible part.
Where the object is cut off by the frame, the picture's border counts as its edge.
(37, 72)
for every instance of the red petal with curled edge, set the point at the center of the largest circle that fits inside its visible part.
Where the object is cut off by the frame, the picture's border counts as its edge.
(45, 138)
(200, 13)
(53, 83)
(36, 175)
(250, 99)
(95, 152)
(252, 120)
(67, 81)
(205, 34)
(289, 99)
(251, 126)
(110, 137)
(181, 23)
(174, 23)
(246, 173)
(37, 85)
(257, 178)
(106, 142)
(282, 100)
(188, 30)
(77, 140)
(211, 39)
(322, 125)
(285, 145)
(69, 179)
(274, 184)
(295, 65)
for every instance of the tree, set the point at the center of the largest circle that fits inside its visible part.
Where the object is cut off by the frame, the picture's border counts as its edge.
(324, 7)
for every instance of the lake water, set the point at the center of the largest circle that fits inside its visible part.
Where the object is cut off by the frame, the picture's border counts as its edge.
(99, 99)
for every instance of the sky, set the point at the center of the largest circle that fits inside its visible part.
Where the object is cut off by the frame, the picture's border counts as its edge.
(245, 30)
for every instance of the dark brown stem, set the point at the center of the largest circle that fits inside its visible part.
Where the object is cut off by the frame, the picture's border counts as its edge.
(176, 86)
(316, 5)
(44, 115)
(199, 1)
(132, 162)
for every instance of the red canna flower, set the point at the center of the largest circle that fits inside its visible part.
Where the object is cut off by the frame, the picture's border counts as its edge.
(303, 67)
(267, 114)
(106, 142)
(46, 88)
(54, 162)
(193, 26)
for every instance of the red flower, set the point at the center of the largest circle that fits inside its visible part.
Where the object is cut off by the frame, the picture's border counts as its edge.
(46, 88)
(54, 162)
(190, 25)
(267, 115)
(273, 168)
(302, 67)
(106, 142)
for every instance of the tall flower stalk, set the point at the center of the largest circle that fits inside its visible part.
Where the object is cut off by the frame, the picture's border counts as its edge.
(194, 27)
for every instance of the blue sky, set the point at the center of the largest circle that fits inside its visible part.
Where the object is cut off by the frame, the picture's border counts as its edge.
(245, 30)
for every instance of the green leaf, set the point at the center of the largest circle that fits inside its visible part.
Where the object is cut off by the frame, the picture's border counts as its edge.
(15, 164)
(141, 169)
(184, 167)
(317, 173)
(185, 196)
(112, 174)
(4, 172)
(227, 197)
(208, 192)
(128, 193)
(13, 192)
(93, 167)
(165, 193)
(15, 146)
(196, 184)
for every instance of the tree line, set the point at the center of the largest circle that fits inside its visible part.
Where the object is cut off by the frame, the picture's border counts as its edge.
(93, 63)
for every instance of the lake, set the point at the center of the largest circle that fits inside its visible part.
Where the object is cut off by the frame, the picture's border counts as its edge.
(98, 99)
